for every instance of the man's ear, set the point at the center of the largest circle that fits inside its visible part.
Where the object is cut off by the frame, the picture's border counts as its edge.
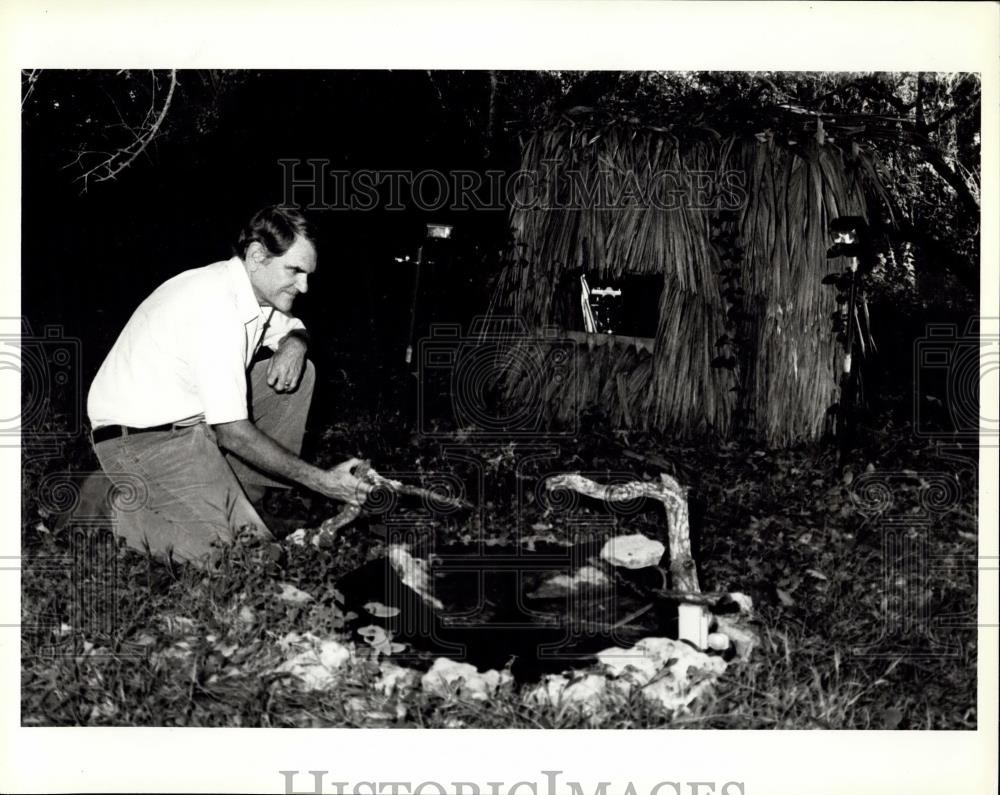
(257, 255)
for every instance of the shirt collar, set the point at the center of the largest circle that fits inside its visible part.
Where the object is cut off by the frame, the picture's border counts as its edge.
(246, 301)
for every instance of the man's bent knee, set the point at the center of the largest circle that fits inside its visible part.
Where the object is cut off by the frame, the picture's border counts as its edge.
(308, 376)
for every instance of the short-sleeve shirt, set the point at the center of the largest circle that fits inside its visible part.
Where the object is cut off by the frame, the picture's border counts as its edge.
(183, 355)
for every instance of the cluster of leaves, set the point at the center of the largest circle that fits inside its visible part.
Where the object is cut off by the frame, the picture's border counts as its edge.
(924, 128)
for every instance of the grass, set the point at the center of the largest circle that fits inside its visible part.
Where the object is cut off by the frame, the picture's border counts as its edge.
(828, 575)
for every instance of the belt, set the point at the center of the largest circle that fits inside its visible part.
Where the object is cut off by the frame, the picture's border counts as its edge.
(106, 432)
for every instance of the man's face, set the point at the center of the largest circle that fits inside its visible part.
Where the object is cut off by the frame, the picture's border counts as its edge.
(277, 281)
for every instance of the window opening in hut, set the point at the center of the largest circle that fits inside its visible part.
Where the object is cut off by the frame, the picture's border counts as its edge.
(625, 305)
(602, 308)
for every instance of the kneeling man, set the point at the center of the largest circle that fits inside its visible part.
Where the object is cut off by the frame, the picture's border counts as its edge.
(178, 388)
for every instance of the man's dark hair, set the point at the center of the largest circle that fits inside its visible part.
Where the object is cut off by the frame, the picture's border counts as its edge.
(275, 228)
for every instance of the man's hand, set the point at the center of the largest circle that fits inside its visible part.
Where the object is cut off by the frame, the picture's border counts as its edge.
(287, 365)
(340, 483)
(251, 444)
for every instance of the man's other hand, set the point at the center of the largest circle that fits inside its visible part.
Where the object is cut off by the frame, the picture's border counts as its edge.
(287, 365)
(340, 483)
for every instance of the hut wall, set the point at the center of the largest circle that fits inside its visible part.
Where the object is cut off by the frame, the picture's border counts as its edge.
(609, 372)
(783, 230)
(789, 380)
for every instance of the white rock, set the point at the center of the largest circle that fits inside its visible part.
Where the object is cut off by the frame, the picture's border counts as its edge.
(315, 662)
(744, 602)
(414, 572)
(380, 640)
(636, 664)
(106, 709)
(667, 671)
(356, 704)
(446, 675)
(291, 594)
(584, 577)
(297, 539)
(632, 551)
(740, 634)
(717, 641)
(396, 679)
(676, 693)
(590, 575)
(586, 692)
(380, 610)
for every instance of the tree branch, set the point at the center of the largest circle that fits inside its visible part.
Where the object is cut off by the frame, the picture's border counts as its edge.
(935, 124)
(492, 114)
(935, 159)
(33, 76)
(108, 168)
(876, 91)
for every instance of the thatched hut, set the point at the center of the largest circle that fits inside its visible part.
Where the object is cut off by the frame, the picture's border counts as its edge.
(740, 336)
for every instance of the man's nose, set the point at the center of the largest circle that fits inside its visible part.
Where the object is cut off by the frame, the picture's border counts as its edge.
(301, 284)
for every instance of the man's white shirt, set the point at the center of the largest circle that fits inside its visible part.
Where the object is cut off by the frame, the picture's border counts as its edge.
(183, 355)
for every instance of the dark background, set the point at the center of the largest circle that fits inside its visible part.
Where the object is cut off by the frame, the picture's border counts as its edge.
(90, 257)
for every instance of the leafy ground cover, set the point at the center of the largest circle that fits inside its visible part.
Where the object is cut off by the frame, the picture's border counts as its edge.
(863, 578)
